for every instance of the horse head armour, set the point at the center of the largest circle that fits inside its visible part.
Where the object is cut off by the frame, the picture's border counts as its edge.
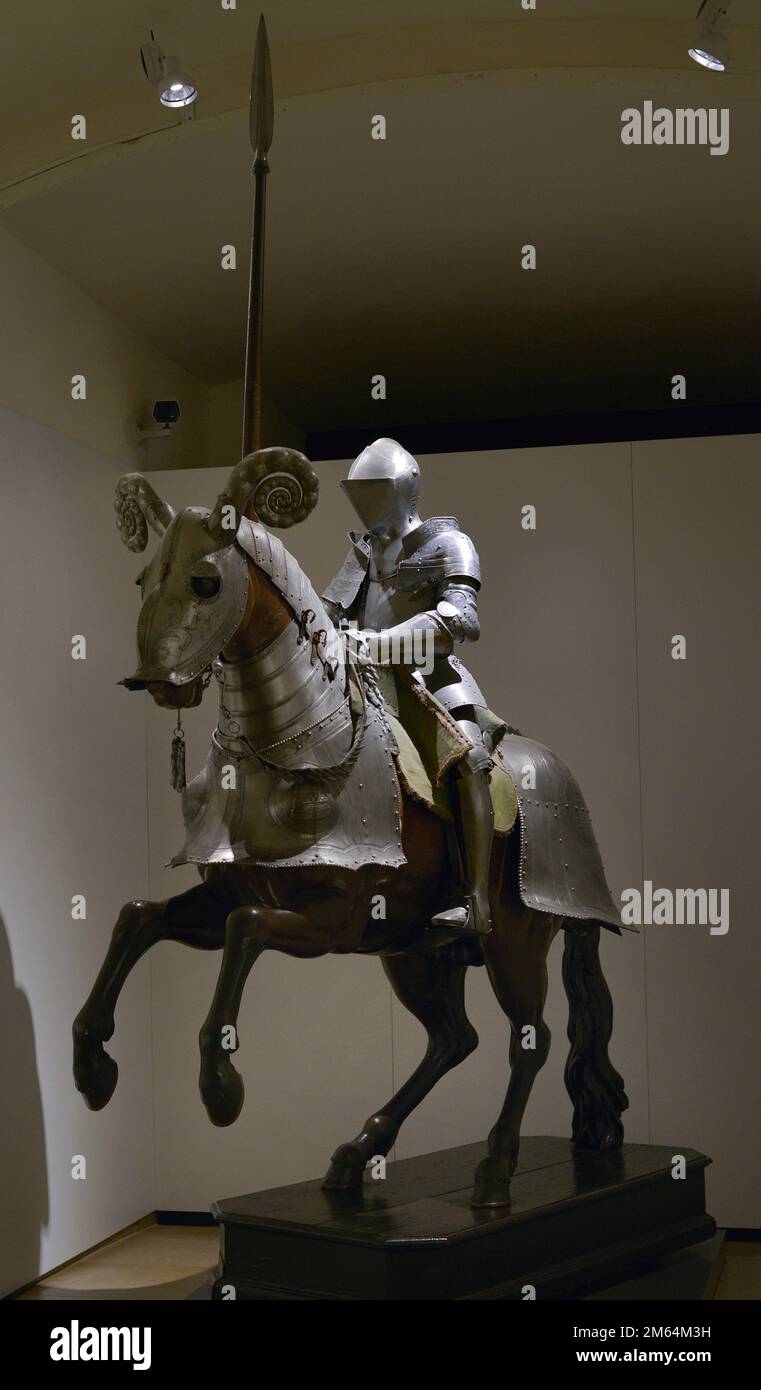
(194, 589)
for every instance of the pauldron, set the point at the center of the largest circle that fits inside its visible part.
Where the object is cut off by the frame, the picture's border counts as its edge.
(436, 551)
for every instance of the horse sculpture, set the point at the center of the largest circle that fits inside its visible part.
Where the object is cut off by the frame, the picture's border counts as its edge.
(302, 735)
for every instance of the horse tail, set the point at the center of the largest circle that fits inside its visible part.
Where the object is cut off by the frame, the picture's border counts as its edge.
(594, 1085)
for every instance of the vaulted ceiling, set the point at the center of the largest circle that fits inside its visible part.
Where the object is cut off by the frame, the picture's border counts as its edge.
(402, 256)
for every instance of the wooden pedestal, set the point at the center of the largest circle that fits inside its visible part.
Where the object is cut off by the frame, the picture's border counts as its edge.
(577, 1220)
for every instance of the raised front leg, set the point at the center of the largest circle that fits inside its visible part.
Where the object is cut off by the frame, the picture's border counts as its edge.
(194, 918)
(249, 931)
(433, 989)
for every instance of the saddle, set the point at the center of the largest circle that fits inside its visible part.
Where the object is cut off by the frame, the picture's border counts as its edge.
(428, 744)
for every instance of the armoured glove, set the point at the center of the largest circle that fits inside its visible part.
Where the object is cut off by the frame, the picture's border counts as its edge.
(419, 639)
(415, 642)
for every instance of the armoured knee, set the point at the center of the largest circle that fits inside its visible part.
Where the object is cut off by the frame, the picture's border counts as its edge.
(478, 758)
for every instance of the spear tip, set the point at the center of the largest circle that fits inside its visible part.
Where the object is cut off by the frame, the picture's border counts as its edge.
(262, 105)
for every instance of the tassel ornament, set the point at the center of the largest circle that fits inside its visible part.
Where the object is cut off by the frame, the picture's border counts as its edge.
(178, 756)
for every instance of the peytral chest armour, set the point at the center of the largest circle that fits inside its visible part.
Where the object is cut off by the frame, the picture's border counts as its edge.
(377, 590)
(286, 716)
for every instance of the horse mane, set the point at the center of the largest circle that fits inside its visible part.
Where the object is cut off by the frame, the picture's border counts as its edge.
(283, 569)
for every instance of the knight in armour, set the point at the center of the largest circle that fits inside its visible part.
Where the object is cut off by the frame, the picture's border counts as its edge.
(410, 586)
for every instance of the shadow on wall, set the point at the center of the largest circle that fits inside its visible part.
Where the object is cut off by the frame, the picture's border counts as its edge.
(23, 1165)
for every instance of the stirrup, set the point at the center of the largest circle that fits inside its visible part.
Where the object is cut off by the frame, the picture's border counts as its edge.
(465, 919)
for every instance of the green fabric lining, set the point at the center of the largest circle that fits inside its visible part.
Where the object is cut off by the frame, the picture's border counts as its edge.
(438, 794)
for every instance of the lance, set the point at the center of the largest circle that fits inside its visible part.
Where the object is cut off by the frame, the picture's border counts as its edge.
(260, 123)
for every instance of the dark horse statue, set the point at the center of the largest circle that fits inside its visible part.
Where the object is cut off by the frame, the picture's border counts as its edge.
(298, 835)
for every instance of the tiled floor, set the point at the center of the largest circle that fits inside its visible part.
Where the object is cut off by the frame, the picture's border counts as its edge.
(172, 1262)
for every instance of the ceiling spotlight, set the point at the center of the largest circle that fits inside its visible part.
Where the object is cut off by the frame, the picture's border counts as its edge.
(711, 46)
(174, 86)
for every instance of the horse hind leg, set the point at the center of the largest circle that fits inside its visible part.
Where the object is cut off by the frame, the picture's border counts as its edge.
(194, 918)
(432, 987)
(516, 959)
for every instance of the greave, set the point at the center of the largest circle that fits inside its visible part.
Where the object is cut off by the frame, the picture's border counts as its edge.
(477, 829)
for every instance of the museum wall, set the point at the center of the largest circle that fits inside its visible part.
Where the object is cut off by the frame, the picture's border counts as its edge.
(52, 330)
(697, 505)
(72, 822)
(225, 415)
(633, 545)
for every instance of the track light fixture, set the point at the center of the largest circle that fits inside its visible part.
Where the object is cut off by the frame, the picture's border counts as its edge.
(711, 44)
(174, 86)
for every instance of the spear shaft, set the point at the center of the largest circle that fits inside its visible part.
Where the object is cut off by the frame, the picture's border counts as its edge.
(261, 121)
(252, 376)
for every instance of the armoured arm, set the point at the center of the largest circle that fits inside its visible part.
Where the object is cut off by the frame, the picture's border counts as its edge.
(453, 619)
(457, 608)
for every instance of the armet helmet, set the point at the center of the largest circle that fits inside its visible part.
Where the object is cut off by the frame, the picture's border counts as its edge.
(383, 486)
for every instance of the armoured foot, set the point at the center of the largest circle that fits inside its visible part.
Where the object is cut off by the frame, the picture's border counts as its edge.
(492, 1184)
(95, 1072)
(221, 1088)
(470, 919)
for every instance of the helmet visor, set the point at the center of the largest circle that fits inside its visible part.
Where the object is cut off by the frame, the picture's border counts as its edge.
(373, 499)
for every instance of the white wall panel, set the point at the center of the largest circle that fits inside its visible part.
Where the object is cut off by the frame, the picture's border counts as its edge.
(697, 506)
(72, 820)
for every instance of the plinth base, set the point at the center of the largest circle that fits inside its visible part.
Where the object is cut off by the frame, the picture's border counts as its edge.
(576, 1220)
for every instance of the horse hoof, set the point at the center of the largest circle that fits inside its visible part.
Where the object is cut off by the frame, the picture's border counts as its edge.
(342, 1177)
(609, 1143)
(222, 1091)
(95, 1072)
(492, 1186)
(495, 1194)
(345, 1171)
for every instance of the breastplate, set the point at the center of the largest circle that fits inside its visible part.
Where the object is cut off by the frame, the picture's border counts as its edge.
(383, 604)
